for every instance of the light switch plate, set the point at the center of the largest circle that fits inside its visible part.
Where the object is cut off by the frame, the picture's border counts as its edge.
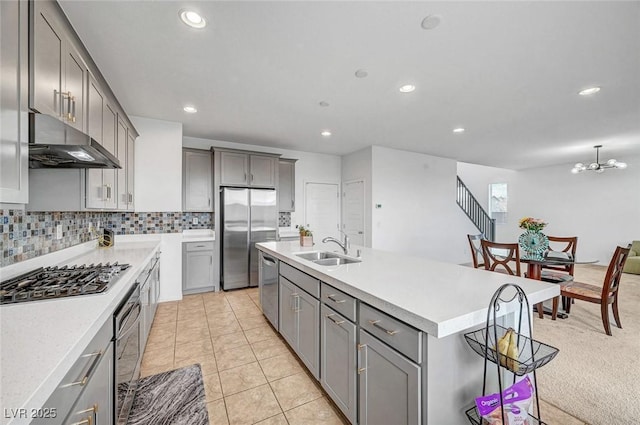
(59, 231)
(194, 220)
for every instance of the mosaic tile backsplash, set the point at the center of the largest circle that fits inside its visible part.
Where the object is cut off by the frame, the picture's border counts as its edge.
(28, 234)
(284, 220)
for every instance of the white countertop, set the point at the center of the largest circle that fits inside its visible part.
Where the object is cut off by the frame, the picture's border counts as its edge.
(41, 340)
(198, 235)
(438, 298)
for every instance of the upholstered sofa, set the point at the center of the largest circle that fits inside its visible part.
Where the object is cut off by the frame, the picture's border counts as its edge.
(633, 260)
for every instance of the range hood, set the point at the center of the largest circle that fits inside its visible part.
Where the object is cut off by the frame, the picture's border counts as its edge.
(54, 144)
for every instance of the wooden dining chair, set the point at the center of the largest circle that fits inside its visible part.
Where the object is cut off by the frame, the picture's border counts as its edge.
(476, 250)
(560, 273)
(604, 296)
(501, 257)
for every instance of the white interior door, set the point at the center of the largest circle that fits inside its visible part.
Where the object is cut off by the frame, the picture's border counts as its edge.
(322, 209)
(353, 211)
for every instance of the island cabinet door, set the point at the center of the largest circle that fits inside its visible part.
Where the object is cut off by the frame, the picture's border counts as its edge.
(390, 389)
(286, 312)
(338, 361)
(308, 349)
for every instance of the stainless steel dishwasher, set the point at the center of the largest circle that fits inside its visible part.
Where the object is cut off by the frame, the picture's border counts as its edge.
(268, 284)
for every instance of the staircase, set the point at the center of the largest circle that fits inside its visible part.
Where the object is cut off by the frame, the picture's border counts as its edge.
(472, 208)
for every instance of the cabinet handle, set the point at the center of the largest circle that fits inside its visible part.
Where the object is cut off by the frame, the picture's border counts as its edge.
(130, 197)
(93, 409)
(375, 324)
(73, 117)
(209, 202)
(84, 380)
(245, 176)
(332, 298)
(108, 192)
(292, 204)
(87, 421)
(360, 347)
(337, 322)
(251, 177)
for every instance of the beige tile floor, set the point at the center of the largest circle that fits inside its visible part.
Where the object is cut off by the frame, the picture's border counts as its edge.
(250, 375)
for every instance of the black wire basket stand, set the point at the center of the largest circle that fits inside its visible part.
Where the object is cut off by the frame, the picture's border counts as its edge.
(532, 354)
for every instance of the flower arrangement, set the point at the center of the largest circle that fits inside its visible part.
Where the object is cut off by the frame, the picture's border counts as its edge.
(531, 224)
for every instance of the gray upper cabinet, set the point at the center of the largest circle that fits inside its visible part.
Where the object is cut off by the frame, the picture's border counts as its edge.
(234, 169)
(58, 72)
(14, 136)
(248, 169)
(64, 82)
(197, 180)
(131, 139)
(286, 185)
(121, 153)
(262, 170)
(124, 151)
(101, 126)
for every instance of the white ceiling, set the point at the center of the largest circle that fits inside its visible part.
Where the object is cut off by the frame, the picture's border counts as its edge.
(508, 72)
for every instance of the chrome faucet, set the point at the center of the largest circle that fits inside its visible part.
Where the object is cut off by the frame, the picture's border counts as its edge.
(345, 244)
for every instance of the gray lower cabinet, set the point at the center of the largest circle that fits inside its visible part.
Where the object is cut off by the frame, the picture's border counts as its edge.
(300, 323)
(338, 361)
(390, 384)
(197, 267)
(95, 405)
(86, 393)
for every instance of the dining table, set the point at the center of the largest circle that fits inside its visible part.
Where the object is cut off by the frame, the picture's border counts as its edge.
(534, 271)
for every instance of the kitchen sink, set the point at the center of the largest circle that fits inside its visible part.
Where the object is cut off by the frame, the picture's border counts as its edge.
(336, 261)
(325, 258)
(317, 255)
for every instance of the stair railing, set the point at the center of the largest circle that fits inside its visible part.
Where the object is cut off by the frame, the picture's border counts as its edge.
(472, 208)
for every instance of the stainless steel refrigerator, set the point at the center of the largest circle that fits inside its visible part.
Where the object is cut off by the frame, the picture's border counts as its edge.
(248, 216)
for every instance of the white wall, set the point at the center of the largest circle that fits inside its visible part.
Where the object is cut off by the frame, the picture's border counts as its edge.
(477, 178)
(419, 214)
(158, 165)
(310, 167)
(601, 209)
(357, 166)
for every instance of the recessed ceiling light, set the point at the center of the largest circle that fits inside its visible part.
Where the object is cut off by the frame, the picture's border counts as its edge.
(190, 109)
(430, 22)
(326, 133)
(458, 130)
(589, 91)
(193, 19)
(407, 88)
(361, 73)
(323, 104)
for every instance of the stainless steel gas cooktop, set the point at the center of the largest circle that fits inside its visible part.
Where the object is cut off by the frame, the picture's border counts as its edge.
(58, 282)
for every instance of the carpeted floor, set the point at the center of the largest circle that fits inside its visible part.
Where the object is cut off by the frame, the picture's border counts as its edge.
(595, 377)
(176, 397)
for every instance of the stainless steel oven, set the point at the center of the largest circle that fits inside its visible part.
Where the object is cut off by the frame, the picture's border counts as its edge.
(128, 352)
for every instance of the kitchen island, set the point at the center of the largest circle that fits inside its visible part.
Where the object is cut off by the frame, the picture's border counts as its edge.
(439, 301)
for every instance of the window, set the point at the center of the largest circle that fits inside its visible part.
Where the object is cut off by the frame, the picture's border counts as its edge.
(498, 202)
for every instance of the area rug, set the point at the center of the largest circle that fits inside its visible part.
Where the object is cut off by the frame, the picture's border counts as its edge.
(176, 397)
(594, 377)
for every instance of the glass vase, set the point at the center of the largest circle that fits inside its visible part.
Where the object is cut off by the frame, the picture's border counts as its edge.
(533, 244)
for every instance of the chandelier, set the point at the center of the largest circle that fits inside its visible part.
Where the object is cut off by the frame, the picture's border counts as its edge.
(597, 166)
